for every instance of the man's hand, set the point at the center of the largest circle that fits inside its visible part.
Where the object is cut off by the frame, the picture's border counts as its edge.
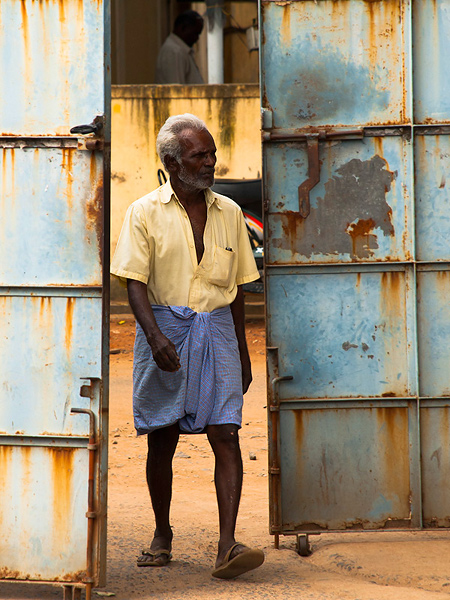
(163, 350)
(238, 312)
(164, 353)
(247, 376)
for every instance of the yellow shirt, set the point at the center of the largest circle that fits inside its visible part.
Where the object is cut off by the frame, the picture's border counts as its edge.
(156, 246)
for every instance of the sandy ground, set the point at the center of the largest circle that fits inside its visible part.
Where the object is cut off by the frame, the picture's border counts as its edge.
(355, 566)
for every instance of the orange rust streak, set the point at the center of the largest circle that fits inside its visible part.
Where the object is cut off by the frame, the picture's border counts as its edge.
(62, 473)
(393, 422)
(286, 24)
(69, 323)
(5, 464)
(67, 166)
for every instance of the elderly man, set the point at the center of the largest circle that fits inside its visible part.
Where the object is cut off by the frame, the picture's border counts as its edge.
(175, 62)
(185, 254)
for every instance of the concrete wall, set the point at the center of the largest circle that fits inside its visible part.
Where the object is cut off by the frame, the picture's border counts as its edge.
(231, 112)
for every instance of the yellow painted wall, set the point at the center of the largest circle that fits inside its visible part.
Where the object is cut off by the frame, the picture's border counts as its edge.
(231, 112)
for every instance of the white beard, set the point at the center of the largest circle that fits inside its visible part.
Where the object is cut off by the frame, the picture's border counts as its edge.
(186, 178)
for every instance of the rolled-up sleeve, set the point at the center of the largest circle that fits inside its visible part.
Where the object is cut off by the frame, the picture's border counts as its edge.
(132, 255)
(246, 269)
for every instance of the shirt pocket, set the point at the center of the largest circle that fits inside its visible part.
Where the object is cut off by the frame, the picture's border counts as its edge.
(221, 267)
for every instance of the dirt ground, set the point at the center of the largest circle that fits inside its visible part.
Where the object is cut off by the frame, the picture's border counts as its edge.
(356, 566)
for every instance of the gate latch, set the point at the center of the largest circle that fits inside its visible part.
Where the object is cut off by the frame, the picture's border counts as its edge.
(95, 142)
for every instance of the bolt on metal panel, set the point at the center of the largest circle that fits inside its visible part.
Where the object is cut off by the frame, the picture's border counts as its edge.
(49, 52)
(431, 26)
(336, 63)
(360, 210)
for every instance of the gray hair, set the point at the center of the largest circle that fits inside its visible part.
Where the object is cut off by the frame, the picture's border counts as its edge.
(168, 140)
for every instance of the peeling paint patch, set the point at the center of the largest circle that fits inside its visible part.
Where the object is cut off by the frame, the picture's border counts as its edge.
(348, 219)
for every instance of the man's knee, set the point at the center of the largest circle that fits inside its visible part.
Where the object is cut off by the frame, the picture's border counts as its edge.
(223, 434)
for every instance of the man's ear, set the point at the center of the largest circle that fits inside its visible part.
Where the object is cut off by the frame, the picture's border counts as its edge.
(171, 163)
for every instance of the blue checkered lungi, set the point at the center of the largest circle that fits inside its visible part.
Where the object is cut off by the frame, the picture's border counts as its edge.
(206, 390)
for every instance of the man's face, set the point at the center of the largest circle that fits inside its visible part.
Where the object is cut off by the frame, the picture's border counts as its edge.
(198, 159)
(190, 33)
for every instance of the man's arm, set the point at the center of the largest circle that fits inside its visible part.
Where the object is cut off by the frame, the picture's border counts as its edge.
(163, 349)
(238, 312)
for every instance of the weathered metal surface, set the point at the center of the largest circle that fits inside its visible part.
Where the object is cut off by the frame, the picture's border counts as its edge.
(357, 258)
(432, 191)
(54, 194)
(360, 211)
(58, 340)
(42, 513)
(431, 31)
(52, 57)
(336, 62)
(435, 461)
(343, 334)
(54, 198)
(345, 478)
(433, 312)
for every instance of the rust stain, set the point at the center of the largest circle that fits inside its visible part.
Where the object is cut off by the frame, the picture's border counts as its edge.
(5, 472)
(361, 233)
(94, 205)
(69, 323)
(286, 32)
(354, 205)
(67, 168)
(62, 483)
(393, 440)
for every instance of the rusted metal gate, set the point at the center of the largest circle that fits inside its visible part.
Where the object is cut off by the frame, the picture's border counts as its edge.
(356, 114)
(54, 223)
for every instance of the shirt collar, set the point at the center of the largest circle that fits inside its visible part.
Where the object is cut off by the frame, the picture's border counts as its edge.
(167, 194)
(179, 42)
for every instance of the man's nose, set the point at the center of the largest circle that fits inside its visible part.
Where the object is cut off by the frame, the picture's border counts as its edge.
(211, 160)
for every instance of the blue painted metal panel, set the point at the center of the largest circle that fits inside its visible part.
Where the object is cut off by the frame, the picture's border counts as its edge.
(52, 57)
(59, 342)
(54, 198)
(431, 19)
(44, 499)
(336, 62)
(435, 461)
(433, 311)
(361, 208)
(432, 162)
(355, 476)
(343, 335)
(348, 325)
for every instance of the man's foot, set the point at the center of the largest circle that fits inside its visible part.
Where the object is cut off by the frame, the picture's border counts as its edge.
(158, 555)
(238, 560)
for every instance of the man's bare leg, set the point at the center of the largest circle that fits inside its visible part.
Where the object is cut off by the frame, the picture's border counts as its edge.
(224, 441)
(161, 448)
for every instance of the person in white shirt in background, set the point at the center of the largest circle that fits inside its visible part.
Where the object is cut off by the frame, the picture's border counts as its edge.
(175, 62)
